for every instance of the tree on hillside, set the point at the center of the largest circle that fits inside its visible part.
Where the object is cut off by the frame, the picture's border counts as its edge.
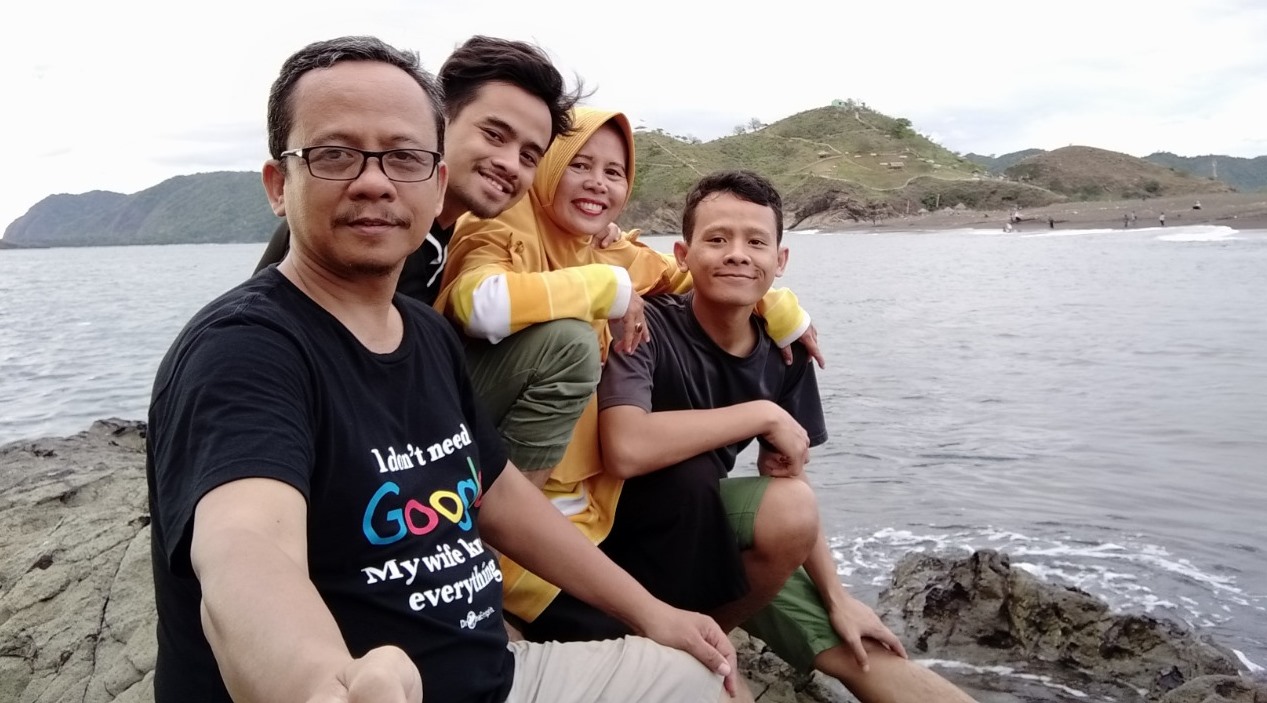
(754, 124)
(901, 128)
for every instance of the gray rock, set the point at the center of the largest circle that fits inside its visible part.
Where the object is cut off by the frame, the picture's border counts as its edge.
(76, 601)
(1218, 689)
(981, 610)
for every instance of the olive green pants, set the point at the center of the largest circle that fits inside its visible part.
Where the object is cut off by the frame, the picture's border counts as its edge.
(535, 384)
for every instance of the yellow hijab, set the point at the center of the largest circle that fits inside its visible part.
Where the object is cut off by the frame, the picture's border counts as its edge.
(564, 248)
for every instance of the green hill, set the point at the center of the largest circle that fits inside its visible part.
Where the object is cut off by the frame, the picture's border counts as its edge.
(1087, 173)
(1240, 173)
(998, 164)
(844, 161)
(223, 206)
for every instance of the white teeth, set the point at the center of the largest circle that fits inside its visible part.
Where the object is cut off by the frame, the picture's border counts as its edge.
(590, 208)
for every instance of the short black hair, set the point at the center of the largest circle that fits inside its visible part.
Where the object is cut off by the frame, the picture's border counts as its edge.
(324, 54)
(480, 60)
(745, 185)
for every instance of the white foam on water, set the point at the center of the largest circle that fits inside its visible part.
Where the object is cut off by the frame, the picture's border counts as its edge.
(1072, 232)
(1249, 665)
(1003, 671)
(1200, 233)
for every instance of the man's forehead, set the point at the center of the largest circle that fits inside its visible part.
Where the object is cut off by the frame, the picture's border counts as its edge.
(509, 105)
(329, 100)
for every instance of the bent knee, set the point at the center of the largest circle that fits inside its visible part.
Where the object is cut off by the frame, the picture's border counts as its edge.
(569, 343)
(788, 515)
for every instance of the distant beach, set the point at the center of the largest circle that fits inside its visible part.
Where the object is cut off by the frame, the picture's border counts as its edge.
(1236, 210)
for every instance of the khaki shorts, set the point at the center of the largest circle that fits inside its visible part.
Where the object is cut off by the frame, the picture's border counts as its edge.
(633, 669)
(795, 623)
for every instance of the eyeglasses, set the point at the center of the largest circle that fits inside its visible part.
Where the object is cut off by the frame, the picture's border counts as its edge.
(343, 163)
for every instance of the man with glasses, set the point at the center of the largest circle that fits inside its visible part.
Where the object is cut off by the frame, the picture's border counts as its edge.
(505, 103)
(321, 479)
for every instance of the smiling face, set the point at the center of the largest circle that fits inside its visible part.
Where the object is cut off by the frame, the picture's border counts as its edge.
(493, 146)
(733, 253)
(365, 226)
(595, 185)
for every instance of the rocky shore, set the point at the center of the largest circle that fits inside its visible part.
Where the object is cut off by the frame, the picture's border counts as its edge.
(77, 608)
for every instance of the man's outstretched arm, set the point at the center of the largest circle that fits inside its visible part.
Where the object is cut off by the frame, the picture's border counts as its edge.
(517, 520)
(273, 637)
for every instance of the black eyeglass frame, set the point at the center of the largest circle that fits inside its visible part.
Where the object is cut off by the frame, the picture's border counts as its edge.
(306, 151)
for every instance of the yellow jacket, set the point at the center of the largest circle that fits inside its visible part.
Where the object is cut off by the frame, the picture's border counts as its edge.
(520, 269)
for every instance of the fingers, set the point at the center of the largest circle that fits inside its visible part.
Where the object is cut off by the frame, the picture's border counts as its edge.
(787, 355)
(720, 645)
(383, 675)
(886, 637)
(610, 236)
(810, 340)
(854, 643)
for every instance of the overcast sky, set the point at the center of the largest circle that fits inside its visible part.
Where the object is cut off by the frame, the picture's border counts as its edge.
(121, 95)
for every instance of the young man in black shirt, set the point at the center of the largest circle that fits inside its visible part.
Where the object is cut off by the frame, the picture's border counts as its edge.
(748, 550)
(321, 479)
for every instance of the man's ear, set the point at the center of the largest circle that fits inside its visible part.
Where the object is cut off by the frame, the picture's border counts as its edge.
(442, 185)
(275, 186)
(783, 254)
(679, 252)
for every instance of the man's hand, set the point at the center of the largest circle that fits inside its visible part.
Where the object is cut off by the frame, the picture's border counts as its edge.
(610, 236)
(778, 465)
(810, 340)
(788, 438)
(383, 675)
(853, 621)
(633, 325)
(697, 635)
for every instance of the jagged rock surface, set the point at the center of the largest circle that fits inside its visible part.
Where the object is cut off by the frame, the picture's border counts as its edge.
(982, 610)
(76, 604)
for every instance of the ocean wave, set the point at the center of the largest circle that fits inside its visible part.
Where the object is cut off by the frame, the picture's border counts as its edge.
(1200, 233)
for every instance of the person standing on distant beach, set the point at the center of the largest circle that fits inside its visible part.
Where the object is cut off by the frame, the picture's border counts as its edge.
(1126, 221)
(1162, 219)
(1133, 218)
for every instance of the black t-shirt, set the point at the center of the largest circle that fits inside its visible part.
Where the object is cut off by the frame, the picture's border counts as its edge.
(682, 368)
(420, 279)
(389, 451)
(671, 532)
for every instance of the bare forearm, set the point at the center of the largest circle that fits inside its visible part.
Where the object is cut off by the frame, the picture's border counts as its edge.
(678, 434)
(273, 637)
(524, 526)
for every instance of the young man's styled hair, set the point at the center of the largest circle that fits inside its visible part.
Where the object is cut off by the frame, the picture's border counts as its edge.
(324, 54)
(483, 59)
(745, 185)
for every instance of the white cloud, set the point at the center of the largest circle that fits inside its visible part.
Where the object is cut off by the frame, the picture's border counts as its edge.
(121, 95)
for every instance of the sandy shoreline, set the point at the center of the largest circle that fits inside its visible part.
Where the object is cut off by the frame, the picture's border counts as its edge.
(1235, 210)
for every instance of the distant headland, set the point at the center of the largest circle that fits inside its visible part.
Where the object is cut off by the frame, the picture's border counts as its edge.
(836, 165)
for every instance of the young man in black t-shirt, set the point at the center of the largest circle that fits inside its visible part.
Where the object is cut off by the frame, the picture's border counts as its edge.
(709, 382)
(324, 489)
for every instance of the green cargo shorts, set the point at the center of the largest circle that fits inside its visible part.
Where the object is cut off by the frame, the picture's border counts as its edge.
(795, 623)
